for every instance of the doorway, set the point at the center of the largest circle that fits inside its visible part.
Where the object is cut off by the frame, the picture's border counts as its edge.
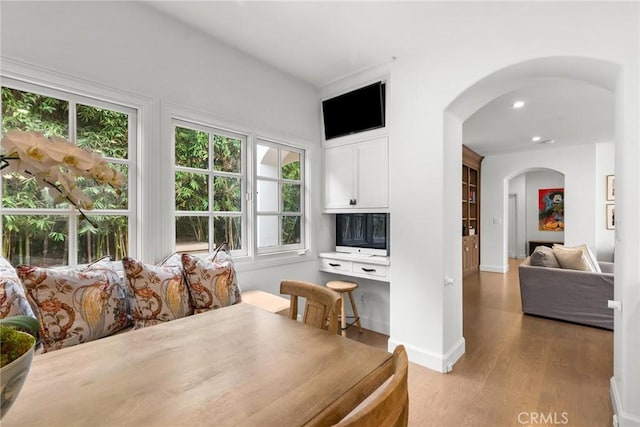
(513, 225)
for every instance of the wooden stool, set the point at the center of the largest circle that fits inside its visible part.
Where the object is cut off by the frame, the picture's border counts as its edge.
(346, 287)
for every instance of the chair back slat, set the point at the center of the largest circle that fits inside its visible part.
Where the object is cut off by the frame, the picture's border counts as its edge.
(321, 307)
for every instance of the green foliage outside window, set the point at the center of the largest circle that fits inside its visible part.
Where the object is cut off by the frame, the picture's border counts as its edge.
(193, 149)
(43, 239)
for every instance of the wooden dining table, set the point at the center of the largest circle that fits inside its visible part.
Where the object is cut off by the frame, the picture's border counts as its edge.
(234, 366)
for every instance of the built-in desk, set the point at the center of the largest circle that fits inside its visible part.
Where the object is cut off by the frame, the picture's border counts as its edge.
(356, 265)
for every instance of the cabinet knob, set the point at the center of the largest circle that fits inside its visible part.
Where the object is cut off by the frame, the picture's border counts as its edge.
(352, 202)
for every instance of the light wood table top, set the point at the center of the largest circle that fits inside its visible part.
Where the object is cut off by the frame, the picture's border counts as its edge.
(235, 366)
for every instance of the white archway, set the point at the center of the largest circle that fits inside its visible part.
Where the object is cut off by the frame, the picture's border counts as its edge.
(521, 219)
(610, 76)
(590, 71)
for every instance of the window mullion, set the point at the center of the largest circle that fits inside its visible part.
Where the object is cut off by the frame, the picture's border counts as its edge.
(73, 219)
(211, 179)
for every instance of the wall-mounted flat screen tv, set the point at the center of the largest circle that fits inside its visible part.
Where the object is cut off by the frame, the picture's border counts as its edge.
(356, 111)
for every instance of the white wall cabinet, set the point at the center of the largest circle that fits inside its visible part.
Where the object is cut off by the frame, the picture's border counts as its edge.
(356, 176)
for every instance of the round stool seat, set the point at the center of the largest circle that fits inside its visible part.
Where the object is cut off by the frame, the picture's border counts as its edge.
(341, 286)
(344, 287)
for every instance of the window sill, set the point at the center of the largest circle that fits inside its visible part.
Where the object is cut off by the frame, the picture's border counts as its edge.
(273, 260)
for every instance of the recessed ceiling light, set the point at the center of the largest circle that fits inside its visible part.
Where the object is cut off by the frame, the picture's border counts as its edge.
(518, 104)
(536, 139)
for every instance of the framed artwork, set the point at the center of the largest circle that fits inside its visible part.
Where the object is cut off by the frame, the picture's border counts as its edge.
(611, 187)
(551, 209)
(611, 216)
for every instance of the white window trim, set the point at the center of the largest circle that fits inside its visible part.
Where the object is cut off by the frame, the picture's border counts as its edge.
(252, 260)
(281, 248)
(211, 174)
(49, 83)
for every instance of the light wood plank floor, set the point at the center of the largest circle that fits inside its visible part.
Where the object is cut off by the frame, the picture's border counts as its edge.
(518, 370)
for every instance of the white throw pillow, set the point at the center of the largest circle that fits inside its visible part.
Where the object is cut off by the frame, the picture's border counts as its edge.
(571, 259)
(589, 257)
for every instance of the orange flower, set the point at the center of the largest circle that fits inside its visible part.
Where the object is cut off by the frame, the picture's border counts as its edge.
(145, 293)
(51, 306)
(197, 287)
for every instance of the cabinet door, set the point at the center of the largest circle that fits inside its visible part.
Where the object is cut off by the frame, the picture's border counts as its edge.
(474, 250)
(339, 164)
(466, 256)
(372, 169)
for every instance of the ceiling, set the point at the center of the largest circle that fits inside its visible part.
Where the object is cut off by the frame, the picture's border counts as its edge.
(320, 42)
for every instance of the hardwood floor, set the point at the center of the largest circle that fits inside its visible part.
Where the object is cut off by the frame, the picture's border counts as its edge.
(517, 370)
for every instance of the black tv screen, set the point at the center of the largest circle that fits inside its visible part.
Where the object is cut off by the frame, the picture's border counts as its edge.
(357, 111)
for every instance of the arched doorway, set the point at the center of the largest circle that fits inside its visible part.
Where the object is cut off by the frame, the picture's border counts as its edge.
(522, 221)
(494, 245)
(604, 74)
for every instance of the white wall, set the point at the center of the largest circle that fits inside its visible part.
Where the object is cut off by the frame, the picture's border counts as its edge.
(584, 194)
(578, 166)
(625, 384)
(605, 165)
(127, 47)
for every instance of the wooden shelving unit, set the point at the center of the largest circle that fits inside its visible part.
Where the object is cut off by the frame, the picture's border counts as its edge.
(471, 162)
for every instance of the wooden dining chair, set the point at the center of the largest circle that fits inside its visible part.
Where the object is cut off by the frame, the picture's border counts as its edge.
(388, 405)
(322, 304)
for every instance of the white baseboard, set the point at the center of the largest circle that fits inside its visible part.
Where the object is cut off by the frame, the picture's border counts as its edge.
(494, 268)
(438, 362)
(622, 418)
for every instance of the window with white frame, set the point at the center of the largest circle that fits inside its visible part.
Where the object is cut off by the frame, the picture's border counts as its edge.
(279, 198)
(210, 182)
(36, 229)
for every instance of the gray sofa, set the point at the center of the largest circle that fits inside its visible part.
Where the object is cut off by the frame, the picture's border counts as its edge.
(570, 295)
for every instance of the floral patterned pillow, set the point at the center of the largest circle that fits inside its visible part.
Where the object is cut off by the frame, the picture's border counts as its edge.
(13, 301)
(212, 283)
(159, 292)
(75, 305)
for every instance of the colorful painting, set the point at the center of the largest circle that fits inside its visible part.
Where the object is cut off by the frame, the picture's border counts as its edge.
(551, 209)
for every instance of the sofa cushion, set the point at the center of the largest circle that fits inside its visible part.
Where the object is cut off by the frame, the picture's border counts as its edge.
(543, 256)
(13, 301)
(159, 292)
(571, 259)
(590, 258)
(212, 283)
(75, 305)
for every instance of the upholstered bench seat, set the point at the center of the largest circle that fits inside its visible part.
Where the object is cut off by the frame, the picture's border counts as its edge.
(266, 301)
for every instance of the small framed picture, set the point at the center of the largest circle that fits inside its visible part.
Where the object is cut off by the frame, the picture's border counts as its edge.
(611, 216)
(611, 187)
